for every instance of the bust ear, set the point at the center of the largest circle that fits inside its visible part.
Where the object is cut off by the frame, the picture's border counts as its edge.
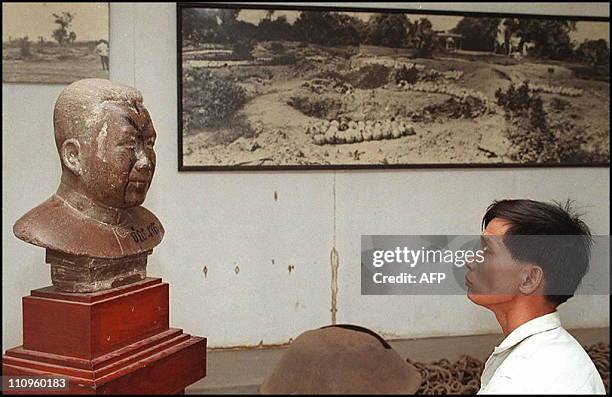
(71, 155)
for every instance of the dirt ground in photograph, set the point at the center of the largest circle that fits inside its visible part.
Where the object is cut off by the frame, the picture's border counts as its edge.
(52, 66)
(276, 133)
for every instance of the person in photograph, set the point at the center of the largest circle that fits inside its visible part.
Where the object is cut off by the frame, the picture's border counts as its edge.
(102, 51)
(521, 285)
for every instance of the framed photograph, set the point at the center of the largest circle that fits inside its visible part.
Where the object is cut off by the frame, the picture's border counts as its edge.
(278, 87)
(54, 43)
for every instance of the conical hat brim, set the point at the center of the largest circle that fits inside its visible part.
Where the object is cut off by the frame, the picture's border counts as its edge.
(338, 360)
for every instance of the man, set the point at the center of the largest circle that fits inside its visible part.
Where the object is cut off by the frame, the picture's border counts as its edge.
(102, 51)
(535, 255)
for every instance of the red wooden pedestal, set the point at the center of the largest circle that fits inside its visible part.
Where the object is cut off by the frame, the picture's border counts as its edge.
(116, 341)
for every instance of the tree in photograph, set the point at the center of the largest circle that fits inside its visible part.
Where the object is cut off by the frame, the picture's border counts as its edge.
(389, 30)
(275, 29)
(24, 47)
(594, 53)
(325, 27)
(239, 32)
(228, 15)
(510, 30)
(423, 38)
(551, 36)
(62, 35)
(349, 30)
(199, 24)
(232, 30)
(315, 26)
(478, 32)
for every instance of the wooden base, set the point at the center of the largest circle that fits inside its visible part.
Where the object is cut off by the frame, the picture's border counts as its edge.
(109, 342)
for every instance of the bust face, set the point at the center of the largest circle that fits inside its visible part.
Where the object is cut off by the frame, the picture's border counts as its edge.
(118, 160)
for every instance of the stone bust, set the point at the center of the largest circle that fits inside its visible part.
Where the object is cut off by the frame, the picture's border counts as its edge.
(96, 233)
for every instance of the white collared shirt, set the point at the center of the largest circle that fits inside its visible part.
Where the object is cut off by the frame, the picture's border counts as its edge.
(540, 357)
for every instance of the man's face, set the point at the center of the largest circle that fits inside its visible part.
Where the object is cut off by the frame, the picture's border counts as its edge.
(496, 280)
(119, 160)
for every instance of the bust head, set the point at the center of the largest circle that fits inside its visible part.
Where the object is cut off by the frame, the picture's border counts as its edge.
(105, 137)
(94, 229)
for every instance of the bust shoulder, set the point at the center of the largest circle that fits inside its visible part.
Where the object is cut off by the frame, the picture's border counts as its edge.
(56, 225)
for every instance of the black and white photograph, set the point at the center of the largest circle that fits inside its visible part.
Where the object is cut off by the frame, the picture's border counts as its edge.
(347, 88)
(307, 198)
(54, 43)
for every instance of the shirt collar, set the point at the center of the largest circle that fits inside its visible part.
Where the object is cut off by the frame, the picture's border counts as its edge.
(539, 324)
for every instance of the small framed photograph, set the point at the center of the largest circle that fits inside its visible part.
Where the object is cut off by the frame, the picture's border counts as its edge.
(54, 43)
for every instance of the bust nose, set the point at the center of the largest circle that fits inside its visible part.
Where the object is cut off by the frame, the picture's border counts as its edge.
(143, 163)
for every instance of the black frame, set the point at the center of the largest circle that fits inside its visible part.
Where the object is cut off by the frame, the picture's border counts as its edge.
(334, 167)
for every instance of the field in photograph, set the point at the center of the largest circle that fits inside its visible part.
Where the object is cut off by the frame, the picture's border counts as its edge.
(51, 64)
(325, 84)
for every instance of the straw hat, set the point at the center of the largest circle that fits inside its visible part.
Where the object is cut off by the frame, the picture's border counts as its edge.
(341, 359)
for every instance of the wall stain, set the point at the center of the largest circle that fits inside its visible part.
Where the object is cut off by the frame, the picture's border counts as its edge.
(275, 195)
(335, 263)
(290, 268)
(205, 271)
(237, 269)
(272, 261)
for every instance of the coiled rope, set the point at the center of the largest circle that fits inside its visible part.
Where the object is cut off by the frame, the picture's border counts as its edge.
(463, 376)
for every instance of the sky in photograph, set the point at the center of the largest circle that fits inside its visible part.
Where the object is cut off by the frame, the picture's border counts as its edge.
(35, 19)
(584, 29)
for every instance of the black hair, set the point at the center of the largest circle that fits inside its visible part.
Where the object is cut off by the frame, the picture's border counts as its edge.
(564, 261)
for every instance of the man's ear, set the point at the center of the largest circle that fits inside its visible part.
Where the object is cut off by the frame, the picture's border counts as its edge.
(532, 278)
(71, 155)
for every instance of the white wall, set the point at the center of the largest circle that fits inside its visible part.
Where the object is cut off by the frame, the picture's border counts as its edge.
(223, 220)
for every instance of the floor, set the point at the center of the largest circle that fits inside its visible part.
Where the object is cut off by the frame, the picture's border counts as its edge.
(242, 371)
